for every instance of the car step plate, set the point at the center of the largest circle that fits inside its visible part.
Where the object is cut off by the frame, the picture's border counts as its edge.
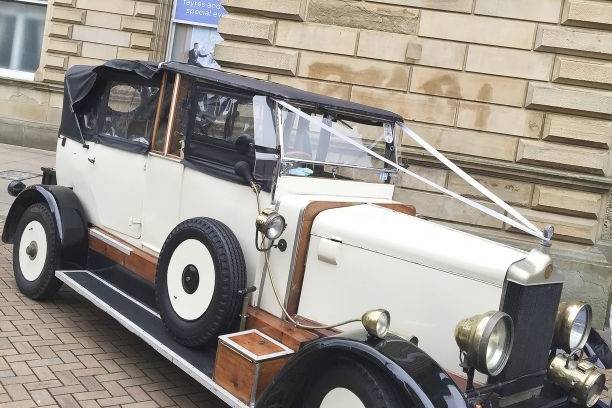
(146, 323)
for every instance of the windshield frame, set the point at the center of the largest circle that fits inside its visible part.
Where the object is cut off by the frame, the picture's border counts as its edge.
(391, 149)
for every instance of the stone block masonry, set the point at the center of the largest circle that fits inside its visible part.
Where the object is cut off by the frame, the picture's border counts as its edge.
(78, 32)
(99, 30)
(519, 93)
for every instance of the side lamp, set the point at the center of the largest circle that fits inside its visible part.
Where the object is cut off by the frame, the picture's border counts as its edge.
(579, 378)
(376, 322)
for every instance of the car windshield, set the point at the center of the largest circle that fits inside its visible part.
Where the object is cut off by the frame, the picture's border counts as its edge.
(304, 141)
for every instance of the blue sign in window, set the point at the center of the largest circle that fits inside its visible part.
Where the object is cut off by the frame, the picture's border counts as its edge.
(205, 12)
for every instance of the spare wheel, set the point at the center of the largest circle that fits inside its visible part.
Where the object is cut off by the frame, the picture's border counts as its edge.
(200, 271)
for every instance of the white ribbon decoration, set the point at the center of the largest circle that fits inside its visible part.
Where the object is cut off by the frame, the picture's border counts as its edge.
(520, 223)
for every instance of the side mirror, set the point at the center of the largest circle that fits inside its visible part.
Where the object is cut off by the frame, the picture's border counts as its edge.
(243, 170)
(15, 187)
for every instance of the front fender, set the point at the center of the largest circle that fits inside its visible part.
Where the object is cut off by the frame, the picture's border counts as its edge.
(598, 350)
(415, 374)
(68, 213)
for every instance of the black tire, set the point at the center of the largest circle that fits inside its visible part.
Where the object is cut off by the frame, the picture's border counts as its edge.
(46, 284)
(223, 311)
(367, 383)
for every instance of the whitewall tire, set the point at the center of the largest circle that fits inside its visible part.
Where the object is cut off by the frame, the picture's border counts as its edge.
(36, 253)
(200, 273)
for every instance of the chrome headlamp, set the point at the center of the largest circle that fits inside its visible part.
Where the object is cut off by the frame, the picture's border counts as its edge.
(573, 325)
(270, 223)
(486, 341)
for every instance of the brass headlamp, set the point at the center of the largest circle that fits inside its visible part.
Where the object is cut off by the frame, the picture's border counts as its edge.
(270, 223)
(579, 378)
(485, 341)
(573, 325)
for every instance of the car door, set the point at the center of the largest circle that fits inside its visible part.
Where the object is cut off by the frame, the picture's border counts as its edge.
(117, 159)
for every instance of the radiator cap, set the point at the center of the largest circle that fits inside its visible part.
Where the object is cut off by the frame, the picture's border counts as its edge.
(535, 269)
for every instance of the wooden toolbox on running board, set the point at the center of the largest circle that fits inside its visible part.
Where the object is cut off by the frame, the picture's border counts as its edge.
(247, 362)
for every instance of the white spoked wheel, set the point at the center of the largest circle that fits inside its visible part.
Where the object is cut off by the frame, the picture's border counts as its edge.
(191, 279)
(33, 251)
(341, 397)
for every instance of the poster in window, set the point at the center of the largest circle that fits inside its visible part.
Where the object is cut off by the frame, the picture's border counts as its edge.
(200, 12)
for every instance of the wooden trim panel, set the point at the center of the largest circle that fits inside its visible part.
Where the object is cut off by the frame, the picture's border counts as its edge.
(172, 119)
(138, 261)
(299, 268)
(280, 330)
(158, 112)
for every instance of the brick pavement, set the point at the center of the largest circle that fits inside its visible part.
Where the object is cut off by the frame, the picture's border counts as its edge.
(67, 353)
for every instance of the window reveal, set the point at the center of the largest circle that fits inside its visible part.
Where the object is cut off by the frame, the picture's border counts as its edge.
(222, 128)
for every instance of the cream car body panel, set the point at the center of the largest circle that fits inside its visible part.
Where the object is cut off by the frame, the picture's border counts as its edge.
(291, 206)
(109, 182)
(332, 187)
(233, 204)
(72, 170)
(172, 193)
(162, 196)
(428, 276)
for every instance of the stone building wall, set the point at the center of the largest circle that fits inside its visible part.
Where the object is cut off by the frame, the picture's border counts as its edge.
(519, 93)
(78, 32)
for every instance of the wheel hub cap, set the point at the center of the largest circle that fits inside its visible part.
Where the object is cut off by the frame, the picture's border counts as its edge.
(33, 242)
(190, 279)
(341, 397)
(32, 250)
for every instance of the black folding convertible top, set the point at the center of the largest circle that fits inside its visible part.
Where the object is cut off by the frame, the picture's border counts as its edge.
(82, 80)
(278, 91)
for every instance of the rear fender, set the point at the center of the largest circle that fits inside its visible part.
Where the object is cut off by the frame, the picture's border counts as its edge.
(415, 374)
(69, 218)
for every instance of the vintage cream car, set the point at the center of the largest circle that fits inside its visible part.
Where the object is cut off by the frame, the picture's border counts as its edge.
(243, 215)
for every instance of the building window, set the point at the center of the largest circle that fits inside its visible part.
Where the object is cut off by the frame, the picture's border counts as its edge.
(194, 32)
(22, 24)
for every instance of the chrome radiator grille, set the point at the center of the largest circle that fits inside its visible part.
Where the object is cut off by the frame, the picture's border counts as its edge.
(533, 310)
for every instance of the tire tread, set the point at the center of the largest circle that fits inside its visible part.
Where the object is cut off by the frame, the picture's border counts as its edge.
(47, 284)
(227, 302)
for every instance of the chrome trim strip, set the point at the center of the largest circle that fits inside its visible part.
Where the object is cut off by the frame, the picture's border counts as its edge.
(110, 241)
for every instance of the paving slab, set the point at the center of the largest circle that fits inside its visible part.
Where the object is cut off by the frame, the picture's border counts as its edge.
(67, 352)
